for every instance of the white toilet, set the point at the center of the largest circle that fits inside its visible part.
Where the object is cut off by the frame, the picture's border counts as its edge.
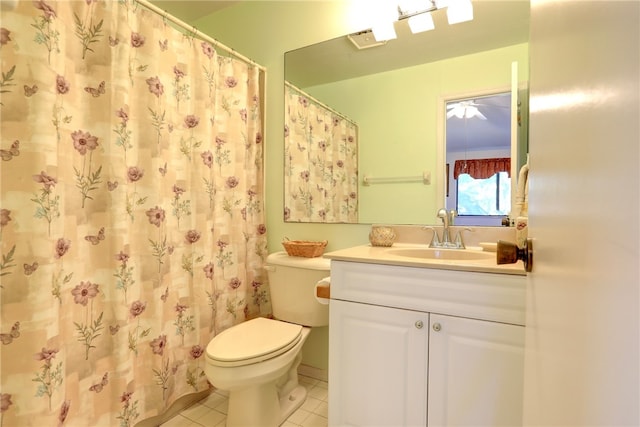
(257, 360)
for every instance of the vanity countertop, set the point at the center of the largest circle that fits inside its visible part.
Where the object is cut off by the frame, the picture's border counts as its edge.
(389, 256)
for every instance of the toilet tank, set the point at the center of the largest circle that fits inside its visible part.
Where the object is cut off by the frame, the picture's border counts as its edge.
(292, 282)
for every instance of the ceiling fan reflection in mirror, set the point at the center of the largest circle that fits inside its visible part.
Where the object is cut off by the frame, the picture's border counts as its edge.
(469, 108)
(465, 109)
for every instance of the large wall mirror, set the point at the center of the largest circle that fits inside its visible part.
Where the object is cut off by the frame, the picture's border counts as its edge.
(396, 95)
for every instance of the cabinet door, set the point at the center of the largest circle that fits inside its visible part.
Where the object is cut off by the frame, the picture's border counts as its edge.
(377, 365)
(475, 372)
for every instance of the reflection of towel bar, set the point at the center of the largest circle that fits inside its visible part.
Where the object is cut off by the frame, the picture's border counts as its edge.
(425, 178)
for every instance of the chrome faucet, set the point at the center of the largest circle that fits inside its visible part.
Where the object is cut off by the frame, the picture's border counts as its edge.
(446, 237)
(447, 242)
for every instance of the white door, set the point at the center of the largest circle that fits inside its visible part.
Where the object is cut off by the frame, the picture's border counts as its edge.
(583, 328)
(475, 372)
(379, 376)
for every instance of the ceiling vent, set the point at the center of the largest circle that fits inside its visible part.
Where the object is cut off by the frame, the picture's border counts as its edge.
(364, 40)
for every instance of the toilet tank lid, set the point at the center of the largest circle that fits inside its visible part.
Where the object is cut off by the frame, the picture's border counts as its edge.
(284, 259)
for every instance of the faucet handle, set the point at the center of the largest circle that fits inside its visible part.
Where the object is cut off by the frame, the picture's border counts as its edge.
(444, 216)
(458, 241)
(435, 241)
(452, 216)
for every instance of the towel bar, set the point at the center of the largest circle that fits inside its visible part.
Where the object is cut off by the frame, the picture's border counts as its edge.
(425, 178)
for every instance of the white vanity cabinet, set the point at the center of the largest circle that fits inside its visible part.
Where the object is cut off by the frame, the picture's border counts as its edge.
(377, 365)
(476, 370)
(417, 346)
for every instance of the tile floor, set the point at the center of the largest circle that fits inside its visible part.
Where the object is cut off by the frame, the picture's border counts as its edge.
(212, 410)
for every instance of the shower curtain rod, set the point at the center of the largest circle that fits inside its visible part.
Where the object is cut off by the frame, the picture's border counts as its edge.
(198, 33)
(286, 83)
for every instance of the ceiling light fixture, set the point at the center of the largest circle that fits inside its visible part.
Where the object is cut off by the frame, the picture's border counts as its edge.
(408, 8)
(417, 13)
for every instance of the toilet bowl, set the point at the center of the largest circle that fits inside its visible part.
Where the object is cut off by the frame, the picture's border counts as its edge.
(253, 361)
(257, 361)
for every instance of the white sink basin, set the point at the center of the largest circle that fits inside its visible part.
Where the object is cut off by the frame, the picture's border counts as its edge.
(443, 254)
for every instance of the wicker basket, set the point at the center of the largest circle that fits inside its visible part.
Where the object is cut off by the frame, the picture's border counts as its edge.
(304, 248)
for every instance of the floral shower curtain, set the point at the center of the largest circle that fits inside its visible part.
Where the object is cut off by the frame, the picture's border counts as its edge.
(131, 210)
(321, 162)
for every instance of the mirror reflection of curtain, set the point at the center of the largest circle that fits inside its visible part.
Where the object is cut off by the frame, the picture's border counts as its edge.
(132, 221)
(482, 168)
(321, 162)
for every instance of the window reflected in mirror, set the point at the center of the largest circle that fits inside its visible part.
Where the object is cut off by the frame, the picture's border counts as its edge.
(478, 145)
(484, 197)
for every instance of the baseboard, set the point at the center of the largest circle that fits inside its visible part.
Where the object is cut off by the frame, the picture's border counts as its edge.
(313, 372)
(178, 406)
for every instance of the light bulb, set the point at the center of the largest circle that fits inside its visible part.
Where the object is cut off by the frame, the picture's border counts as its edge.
(383, 31)
(459, 11)
(420, 23)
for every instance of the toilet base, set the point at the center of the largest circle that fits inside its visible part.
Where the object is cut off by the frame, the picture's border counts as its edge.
(292, 401)
(266, 410)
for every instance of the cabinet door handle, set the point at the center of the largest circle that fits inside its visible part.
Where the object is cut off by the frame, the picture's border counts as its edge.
(419, 324)
(437, 327)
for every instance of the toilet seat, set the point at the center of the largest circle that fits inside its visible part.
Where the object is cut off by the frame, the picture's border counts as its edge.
(252, 341)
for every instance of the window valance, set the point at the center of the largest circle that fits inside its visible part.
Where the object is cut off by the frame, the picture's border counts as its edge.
(482, 168)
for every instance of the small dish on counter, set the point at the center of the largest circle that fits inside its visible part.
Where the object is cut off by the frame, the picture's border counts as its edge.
(382, 236)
